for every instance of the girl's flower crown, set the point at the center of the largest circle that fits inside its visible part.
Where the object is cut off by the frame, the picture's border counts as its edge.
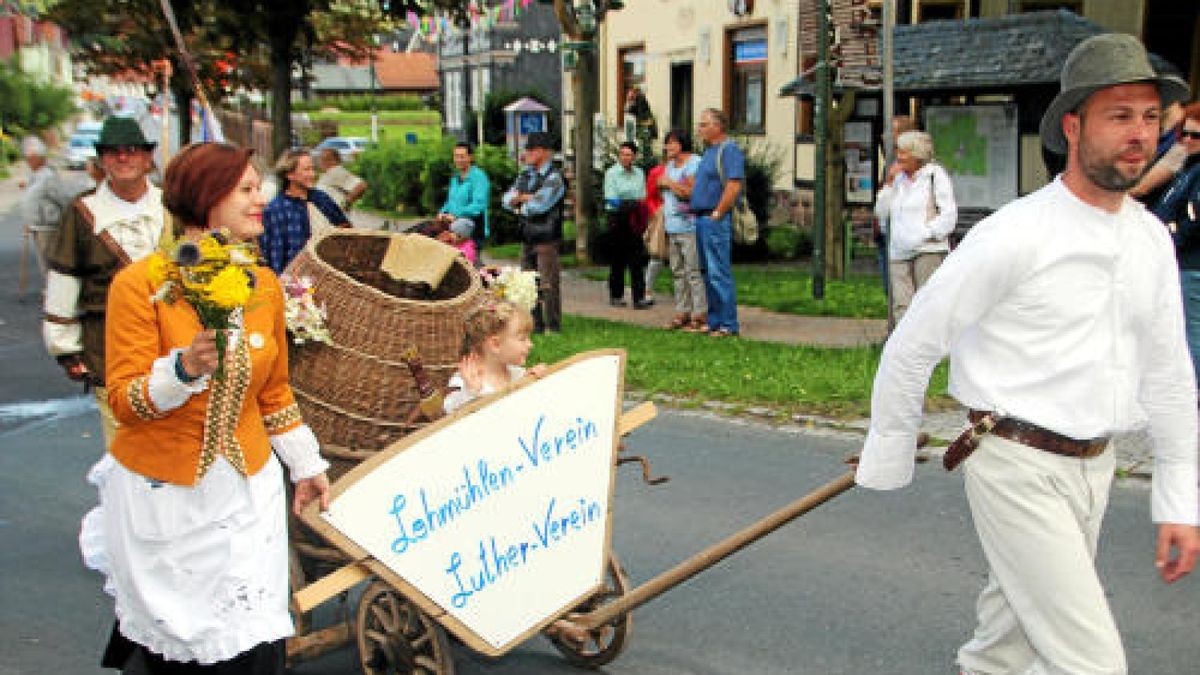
(519, 287)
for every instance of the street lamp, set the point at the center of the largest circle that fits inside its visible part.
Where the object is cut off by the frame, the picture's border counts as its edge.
(585, 11)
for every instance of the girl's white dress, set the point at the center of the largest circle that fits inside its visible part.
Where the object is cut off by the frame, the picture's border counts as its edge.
(459, 396)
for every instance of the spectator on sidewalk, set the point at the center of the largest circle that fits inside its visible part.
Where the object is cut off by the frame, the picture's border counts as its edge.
(624, 192)
(45, 195)
(719, 180)
(1169, 156)
(101, 232)
(917, 200)
(652, 208)
(468, 194)
(675, 188)
(297, 212)
(336, 181)
(536, 196)
(1062, 318)
(1179, 208)
(900, 124)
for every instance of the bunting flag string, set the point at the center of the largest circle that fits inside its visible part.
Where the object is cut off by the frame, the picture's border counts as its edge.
(479, 14)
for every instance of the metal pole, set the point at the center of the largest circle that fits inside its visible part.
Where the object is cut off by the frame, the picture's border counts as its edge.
(889, 114)
(374, 111)
(712, 555)
(821, 102)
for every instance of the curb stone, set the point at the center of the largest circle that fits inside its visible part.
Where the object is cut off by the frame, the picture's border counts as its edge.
(1134, 457)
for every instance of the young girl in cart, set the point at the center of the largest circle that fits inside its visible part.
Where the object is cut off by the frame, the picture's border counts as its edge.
(495, 346)
(496, 339)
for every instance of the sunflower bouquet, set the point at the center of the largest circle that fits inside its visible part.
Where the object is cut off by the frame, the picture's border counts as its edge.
(212, 275)
(510, 283)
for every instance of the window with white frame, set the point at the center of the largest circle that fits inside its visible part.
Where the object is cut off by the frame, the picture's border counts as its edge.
(454, 99)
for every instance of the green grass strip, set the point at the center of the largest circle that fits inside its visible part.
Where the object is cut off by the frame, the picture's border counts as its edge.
(697, 368)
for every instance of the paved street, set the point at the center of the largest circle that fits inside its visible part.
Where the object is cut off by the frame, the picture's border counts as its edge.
(870, 583)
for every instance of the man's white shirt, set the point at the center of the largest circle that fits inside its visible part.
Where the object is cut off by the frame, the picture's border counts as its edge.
(1057, 313)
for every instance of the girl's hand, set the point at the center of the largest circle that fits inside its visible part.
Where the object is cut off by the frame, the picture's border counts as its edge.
(536, 372)
(470, 367)
(201, 357)
(316, 487)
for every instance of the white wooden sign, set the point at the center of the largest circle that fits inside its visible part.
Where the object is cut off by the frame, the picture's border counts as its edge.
(497, 517)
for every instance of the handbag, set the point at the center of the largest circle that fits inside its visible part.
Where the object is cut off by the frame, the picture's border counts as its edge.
(656, 236)
(745, 223)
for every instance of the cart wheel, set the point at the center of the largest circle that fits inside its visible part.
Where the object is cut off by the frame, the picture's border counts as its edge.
(606, 642)
(396, 638)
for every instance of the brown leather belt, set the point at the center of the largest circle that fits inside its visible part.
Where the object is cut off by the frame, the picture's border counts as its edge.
(1025, 433)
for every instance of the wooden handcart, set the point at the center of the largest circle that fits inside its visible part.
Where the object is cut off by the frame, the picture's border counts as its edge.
(359, 398)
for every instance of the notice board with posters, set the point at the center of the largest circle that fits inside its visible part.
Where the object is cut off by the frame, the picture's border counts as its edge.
(978, 146)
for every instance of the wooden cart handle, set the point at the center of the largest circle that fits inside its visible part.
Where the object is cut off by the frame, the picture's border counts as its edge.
(607, 613)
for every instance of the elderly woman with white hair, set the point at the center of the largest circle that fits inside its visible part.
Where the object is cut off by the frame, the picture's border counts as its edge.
(917, 201)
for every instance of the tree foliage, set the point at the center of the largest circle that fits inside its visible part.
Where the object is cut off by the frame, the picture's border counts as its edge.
(28, 105)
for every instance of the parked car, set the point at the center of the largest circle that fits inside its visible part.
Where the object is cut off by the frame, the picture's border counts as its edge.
(80, 148)
(89, 129)
(348, 147)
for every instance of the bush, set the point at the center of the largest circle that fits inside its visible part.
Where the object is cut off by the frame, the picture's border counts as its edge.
(9, 150)
(414, 179)
(501, 171)
(785, 242)
(29, 106)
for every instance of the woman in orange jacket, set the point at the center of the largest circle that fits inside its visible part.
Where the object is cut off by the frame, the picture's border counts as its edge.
(191, 531)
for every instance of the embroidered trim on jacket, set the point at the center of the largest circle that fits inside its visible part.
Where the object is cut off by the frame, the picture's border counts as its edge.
(282, 420)
(224, 411)
(138, 393)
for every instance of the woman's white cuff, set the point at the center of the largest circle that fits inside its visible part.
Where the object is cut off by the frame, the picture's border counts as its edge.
(167, 391)
(299, 449)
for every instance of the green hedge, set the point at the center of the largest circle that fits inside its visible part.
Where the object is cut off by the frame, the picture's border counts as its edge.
(414, 179)
(363, 102)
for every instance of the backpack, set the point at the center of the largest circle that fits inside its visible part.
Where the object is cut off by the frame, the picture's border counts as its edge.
(745, 223)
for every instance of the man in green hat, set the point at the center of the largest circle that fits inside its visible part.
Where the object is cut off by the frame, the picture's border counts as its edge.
(103, 230)
(1063, 320)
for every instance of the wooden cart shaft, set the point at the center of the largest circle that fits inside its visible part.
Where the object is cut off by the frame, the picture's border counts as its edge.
(711, 556)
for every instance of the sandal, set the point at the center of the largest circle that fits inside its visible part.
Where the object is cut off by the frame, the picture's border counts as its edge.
(722, 333)
(680, 321)
(696, 325)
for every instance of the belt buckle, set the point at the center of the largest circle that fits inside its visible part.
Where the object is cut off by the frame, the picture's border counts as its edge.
(980, 429)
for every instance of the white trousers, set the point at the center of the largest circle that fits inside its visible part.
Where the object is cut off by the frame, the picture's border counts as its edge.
(1038, 517)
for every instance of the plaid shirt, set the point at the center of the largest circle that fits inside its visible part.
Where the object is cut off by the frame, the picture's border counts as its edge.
(286, 229)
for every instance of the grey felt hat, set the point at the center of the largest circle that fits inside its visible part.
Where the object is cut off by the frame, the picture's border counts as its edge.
(1099, 62)
(463, 227)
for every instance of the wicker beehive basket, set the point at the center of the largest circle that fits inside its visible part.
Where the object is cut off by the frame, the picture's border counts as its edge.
(359, 393)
